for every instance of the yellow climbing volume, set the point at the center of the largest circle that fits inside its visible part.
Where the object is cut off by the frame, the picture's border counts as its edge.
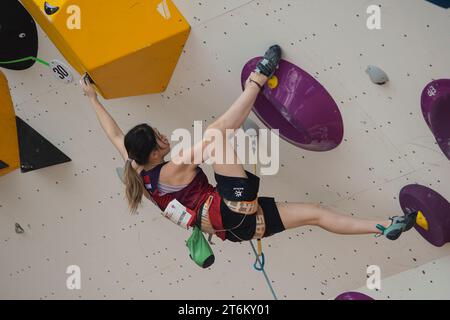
(9, 144)
(128, 47)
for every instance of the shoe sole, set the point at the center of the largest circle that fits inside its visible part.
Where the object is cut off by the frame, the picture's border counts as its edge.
(394, 235)
(274, 47)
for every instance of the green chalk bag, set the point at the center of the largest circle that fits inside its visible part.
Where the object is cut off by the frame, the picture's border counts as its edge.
(199, 249)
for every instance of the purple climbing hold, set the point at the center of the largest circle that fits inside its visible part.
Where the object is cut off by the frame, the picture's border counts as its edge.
(436, 111)
(353, 296)
(300, 107)
(435, 209)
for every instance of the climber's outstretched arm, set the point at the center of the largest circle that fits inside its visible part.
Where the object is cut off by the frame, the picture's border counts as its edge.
(109, 125)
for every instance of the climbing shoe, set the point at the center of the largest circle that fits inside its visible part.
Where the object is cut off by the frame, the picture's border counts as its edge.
(398, 226)
(269, 64)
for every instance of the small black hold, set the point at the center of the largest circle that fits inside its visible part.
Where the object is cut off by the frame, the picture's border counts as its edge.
(19, 229)
(3, 165)
(49, 9)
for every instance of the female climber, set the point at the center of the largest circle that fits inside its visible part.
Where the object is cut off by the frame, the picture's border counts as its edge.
(232, 210)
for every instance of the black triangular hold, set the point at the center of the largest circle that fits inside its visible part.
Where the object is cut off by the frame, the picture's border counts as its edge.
(36, 152)
(3, 165)
(441, 3)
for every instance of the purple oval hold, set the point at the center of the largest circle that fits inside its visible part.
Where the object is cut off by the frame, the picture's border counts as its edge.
(300, 107)
(435, 103)
(434, 207)
(353, 296)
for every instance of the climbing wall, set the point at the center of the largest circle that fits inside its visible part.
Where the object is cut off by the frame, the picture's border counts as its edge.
(428, 281)
(75, 213)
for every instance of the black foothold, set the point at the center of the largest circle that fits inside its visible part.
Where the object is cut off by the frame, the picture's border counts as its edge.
(3, 165)
(19, 229)
(49, 9)
(35, 151)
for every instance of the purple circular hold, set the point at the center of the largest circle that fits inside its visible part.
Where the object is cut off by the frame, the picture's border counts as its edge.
(434, 207)
(435, 103)
(300, 107)
(353, 296)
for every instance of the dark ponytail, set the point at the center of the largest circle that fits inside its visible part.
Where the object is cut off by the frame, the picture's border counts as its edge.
(139, 143)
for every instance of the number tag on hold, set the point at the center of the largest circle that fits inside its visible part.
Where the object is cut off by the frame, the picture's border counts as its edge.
(61, 71)
(179, 214)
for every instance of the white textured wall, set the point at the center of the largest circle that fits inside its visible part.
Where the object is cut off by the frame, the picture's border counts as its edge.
(75, 213)
(429, 281)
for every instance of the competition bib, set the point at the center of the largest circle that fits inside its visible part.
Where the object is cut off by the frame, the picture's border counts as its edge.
(179, 214)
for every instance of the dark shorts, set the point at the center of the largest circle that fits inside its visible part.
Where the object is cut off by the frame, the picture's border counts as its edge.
(244, 226)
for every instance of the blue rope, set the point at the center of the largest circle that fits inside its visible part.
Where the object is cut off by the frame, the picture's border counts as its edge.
(261, 268)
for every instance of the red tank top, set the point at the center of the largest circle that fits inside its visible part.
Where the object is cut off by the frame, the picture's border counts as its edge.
(192, 196)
